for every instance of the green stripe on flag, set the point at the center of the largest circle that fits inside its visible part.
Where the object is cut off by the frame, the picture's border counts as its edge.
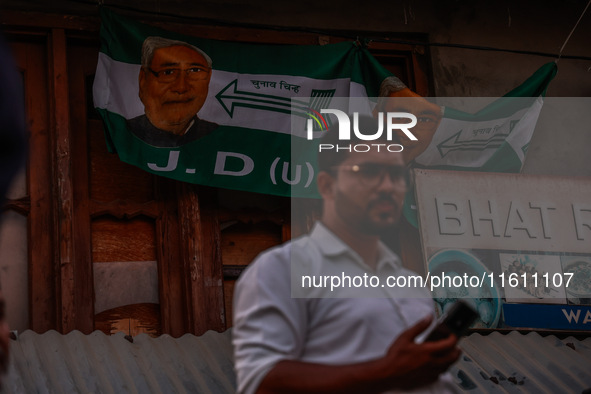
(122, 39)
(537, 84)
(533, 87)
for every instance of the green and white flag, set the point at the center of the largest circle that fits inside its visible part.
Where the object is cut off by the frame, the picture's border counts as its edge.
(495, 138)
(247, 110)
(247, 132)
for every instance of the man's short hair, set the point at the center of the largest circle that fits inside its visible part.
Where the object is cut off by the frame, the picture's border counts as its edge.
(328, 159)
(391, 85)
(153, 43)
(388, 86)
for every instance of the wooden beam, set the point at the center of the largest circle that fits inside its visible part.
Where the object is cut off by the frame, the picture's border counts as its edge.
(81, 63)
(171, 280)
(123, 209)
(32, 61)
(25, 19)
(62, 186)
(201, 253)
(418, 67)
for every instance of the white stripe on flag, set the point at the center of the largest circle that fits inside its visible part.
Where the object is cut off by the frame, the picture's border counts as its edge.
(116, 87)
(116, 90)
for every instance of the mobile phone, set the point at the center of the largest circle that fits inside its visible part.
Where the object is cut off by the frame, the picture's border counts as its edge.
(455, 321)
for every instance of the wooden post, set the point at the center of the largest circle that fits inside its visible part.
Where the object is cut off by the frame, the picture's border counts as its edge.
(189, 259)
(200, 237)
(31, 59)
(75, 282)
(171, 286)
(79, 173)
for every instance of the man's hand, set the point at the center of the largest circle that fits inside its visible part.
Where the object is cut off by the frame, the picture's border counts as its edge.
(406, 365)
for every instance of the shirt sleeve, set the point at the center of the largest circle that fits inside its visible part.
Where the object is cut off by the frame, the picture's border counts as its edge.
(269, 325)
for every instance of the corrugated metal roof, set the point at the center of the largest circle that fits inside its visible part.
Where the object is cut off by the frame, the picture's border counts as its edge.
(517, 363)
(96, 363)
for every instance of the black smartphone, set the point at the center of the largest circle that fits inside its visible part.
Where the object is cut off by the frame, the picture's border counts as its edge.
(455, 321)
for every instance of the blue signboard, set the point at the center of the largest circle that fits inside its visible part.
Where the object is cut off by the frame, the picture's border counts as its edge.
(559, 317)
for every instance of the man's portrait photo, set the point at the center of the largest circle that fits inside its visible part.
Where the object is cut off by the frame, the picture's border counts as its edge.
(173, 85)
(395, 96)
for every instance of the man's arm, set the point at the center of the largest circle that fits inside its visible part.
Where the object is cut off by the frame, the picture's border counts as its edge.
(406, 365)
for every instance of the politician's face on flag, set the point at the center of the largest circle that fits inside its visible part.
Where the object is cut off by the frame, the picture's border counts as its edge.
(428, 118)
(174, 87)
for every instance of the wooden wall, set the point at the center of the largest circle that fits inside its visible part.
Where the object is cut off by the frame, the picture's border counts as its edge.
(168, 253)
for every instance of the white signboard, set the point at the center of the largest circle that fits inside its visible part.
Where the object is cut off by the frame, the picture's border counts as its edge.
(508, 241)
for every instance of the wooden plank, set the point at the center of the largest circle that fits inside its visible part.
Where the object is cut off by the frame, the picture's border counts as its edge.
(81, 63)
(11, 19)
(212, 260)
(32, 61)
(171, 279)
(63, 191)
(242, 242)
(420, 76)
(389, 46)
(132, 319)
(407, 61)
(200, 237)
(123, 240)
(124, 209)
(110, 178)
(240, 34)
(20, 19)
(228, 217)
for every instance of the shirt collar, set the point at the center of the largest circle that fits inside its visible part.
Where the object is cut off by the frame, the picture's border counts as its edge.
(328, 243)
(331, 245)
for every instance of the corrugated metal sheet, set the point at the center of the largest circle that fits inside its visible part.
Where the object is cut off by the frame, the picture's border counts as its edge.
(517, 363)
(96, 363)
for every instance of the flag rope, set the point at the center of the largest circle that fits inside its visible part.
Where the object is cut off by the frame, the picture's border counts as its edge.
(572, 31)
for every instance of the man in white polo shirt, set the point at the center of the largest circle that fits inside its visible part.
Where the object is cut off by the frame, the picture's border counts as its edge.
(355, 336)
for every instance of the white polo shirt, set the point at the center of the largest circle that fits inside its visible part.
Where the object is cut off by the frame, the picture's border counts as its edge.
(342, 325)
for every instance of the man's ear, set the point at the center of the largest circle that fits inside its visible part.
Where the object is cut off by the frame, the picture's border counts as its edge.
(325, 183)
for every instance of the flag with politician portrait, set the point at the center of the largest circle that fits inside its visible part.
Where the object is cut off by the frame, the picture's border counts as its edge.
(213, 112)
(221, 113)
